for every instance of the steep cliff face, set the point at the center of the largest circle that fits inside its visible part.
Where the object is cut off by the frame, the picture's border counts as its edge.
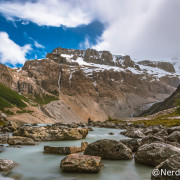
(92, 84)
(168, 103)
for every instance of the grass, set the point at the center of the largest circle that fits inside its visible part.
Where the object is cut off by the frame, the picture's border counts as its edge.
(44, 99)
(24, 111)
(159, 120)
(9, 98)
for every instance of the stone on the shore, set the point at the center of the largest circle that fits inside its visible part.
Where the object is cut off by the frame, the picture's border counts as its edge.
(155, 153)
(172, 129)
(174, 137)
(172, 165)
(81, 163)
(133, 144)
(108, 149)
(150, 139)
(6, 165)
(18, 140)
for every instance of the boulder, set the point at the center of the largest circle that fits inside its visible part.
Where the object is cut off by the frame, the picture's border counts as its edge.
(81, 163)
(174, 137)
(4, 138)
(133, 133)
(84, 145)
(61, 150)
(108, 149)
(18, 140)
(111, 133)
(155, 153)
(6, 165)
(132, 144)
(65, 150)
(51, 133)
(172, 164)
(172, 129)
(150, 139)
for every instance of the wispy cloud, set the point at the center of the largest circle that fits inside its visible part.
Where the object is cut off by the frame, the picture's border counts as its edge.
(85, 44)
(10, 52)
(36, 43)
(50, 13)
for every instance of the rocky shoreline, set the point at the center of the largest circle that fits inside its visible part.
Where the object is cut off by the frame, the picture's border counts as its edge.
(156, 146)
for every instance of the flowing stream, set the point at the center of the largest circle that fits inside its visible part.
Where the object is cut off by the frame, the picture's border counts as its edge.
(34, 165)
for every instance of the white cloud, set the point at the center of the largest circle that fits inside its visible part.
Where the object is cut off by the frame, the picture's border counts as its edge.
(10, 52)
(144, 29)
(85, 44)
(48, 12)
(36, 43)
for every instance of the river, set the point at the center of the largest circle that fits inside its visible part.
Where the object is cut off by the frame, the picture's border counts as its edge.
(34, 165)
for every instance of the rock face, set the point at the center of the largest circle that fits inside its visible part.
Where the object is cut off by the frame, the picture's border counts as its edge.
(155, 153)
(166, 66)
(18, 140)
(132, 144)
(65, 150)
(51, 133)
(168, 103)
(81, 163)
(6, 165)
(171, 164)
(108, 149)
(78, 84)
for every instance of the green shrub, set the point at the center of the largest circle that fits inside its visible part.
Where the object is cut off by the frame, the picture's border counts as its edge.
(10, 97)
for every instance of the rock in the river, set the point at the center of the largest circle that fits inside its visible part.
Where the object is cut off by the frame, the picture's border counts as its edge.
(84, 145)
(133, 133)
(111, 133)
(51, 133)
(81, 163)
(6, 165)
(18, 140)
(155, 153)
(133, 144)
(108, 149)
(172, 165)
(4, 138)
(174, 137)
(65, 150)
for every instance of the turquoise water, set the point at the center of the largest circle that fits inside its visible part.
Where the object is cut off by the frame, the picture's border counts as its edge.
(34, 165)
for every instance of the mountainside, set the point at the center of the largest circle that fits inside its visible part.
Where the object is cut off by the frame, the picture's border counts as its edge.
(74, 85)
(168, 103)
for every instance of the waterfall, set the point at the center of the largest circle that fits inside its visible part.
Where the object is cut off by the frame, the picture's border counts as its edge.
(59, 81)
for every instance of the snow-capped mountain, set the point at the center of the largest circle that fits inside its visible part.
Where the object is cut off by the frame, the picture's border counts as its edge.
(92, 83)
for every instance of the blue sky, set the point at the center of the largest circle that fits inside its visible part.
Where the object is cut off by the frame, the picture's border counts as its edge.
(142, 29)
(44, 39)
